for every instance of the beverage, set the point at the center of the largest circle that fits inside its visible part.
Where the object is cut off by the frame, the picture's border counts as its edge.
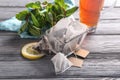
(90, 11)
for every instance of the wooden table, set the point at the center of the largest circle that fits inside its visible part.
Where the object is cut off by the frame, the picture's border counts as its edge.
(103, 62)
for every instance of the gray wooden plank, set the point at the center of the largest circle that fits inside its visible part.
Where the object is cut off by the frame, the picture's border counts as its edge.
(7, 13)
(105, 14)
(6, 33)
(107, 3)
(111, 2)
(16, 56)
(107, 78)
(102, 43)
(43, 68)
(108, 28)
(102, 62)
(14, 3)
(107, 49)
(118, 3)
(22, 3)
(103, 28)
(109, 43)
(13, 43)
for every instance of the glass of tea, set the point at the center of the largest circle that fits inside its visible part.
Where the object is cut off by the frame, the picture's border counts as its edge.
(90, 12)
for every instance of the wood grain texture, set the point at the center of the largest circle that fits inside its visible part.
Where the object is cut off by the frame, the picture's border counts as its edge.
(16, 3)
(16, 56)
(102, 43)
(106, 14)
(103, 62)
(108, 28)
(100, 46)
(13, 43)
(103, 28)
(43, 68)
(8, 8)
(7, 13)
(94, 43)
(70, 79)
(21, 3)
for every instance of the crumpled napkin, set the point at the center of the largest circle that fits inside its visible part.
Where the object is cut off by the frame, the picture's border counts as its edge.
(13, 24)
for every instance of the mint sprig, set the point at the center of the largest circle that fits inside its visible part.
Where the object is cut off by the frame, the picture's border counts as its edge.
(41, 16)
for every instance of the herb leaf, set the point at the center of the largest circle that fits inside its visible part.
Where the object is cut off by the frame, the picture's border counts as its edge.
(41, 16)
(23, 27)
(33, 30)
(22, 15)
(71, 11)
(35, 5)
(61, 3)
(35, 21)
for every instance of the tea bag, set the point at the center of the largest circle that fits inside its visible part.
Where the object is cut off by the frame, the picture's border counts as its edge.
(62, 39)
(65, 34)
(61, 63)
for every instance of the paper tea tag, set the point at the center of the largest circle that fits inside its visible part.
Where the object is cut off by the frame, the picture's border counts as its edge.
(61, 63)
(82, 52)
(78, 62)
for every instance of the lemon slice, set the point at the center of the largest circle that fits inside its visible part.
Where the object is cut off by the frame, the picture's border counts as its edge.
(29, 53)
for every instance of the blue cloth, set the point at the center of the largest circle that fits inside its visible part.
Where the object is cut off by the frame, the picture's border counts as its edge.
(13, 24)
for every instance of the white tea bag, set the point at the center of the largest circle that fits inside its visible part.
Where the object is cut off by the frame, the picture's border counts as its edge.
(61, 63)
(66, 34)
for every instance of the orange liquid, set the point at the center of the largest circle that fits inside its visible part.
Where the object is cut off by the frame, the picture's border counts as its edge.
(90, 11)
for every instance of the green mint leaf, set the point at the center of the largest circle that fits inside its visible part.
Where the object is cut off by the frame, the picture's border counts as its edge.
(38, 3)
(35, 21)
(39, 16)
(60, 17)
(35, 5)
(22, 15)
(45, 3)
(23, 28)
(71, 11)
(61, 3)
(33, 30)
(50, 16)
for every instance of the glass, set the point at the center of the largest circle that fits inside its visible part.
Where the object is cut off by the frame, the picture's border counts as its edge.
(90, 12)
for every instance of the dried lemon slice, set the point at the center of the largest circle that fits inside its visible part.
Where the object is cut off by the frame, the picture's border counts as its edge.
(30, 53)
